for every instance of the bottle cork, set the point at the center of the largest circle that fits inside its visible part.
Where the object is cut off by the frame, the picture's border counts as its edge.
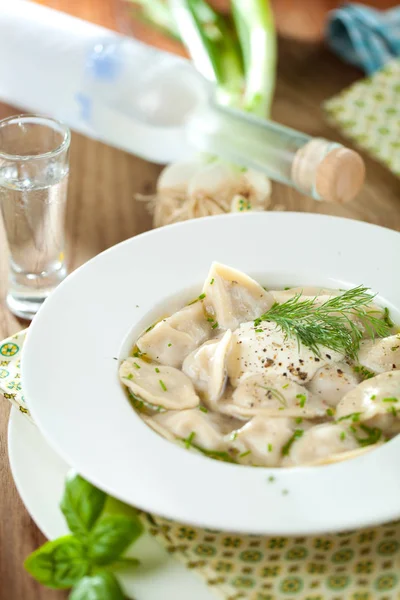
(328, 171)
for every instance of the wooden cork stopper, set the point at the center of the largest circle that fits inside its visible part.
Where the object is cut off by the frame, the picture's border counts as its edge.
(328, 171)
(340, 175)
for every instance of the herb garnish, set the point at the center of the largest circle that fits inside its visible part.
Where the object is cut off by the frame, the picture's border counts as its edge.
(342, 435)
(365, 373)
(164, 387)
(136, 365)
(203, 409)
(188, 441)
(297, 434)
(273, 392)
(245, 454)
(390, 400)
(355, 417)
(330, 323)
(374, 434)
(329, 412)
(386, 317)
(302, 398)
(215, 325)
(201, 297)
(157, 370)
(269, 447)
(212, 281)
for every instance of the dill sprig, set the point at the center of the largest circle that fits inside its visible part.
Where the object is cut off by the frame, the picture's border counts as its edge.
(330, 324)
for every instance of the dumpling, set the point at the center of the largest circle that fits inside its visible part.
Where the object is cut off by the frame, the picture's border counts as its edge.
(380, 355)
(206, 367)
(372, 400)
(332, 382)
(172, 339)
(261, 440)
(232, 297)
(198, 428)
(319, 444)
(164, 387)
(264, 349)
(273, 396)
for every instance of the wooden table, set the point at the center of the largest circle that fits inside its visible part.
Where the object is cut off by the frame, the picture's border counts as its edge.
(102, 211)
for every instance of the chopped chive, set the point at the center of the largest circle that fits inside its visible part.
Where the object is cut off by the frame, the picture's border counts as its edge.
(136, 365)
(150, 328)
(297, 434)
(215, 325)
(189, 439)
(193, 302)
(353, 429)
(269, 447)
(203, 409)
(342, 435)
(365, 373)
(392, 410)
(271, 478)
(234, 436)
(258, 330)
(298, 420)
(157, 370)
(129, 376)
(394, 348)
(164, 387)
(212, 281)
(169, 345)
(245, 454)
(302, 399)
(373, 397)
(355, 417)
(202, 296)
(285, 386)
(210, 320)
(391, 399)
(329, 412)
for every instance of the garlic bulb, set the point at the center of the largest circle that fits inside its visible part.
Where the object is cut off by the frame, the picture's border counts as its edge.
(191, 189)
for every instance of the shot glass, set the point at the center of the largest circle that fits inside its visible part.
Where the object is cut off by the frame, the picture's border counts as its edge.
(34, 168)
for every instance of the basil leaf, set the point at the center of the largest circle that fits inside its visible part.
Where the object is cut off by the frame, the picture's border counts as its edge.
(111, 536)
(102, 586)
(81, 505)
(59, 564)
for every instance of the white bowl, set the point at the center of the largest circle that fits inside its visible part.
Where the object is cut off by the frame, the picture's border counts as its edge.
(69, 372)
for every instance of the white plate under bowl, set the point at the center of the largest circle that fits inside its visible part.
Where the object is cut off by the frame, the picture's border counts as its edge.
(39, 475)
(71, 384)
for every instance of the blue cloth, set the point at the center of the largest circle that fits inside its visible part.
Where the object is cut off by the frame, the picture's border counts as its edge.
(364, 36)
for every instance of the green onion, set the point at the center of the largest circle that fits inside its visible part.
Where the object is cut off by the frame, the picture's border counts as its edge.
(136, 365)
(157, 370)
(164, 387)
(255, 26)
(269, 447)
(390, 400)
(203, 409)
(215, 325)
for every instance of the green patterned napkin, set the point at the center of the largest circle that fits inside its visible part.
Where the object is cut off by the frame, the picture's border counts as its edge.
(357, 565)
(368, 112)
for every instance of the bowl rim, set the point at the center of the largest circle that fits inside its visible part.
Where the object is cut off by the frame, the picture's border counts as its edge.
(174, 483)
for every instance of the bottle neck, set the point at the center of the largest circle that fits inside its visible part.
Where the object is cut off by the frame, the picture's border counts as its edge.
(317, 167)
